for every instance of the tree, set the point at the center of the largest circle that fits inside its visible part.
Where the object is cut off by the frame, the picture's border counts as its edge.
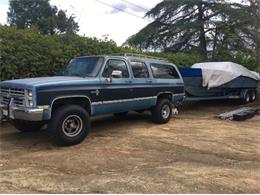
(40, 14)
(244, 23)
(180, 25)
(215, 28)
(250, 26)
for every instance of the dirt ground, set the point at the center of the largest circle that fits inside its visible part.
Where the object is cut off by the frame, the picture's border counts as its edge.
(193, 153)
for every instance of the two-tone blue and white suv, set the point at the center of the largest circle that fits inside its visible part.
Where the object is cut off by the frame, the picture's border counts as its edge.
(92, 86)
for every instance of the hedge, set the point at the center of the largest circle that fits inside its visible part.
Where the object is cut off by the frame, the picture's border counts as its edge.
(26, 53)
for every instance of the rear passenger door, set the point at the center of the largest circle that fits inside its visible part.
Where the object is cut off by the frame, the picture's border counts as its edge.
(141, 86)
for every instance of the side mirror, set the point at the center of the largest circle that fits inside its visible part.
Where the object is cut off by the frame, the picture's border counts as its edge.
(117, 74)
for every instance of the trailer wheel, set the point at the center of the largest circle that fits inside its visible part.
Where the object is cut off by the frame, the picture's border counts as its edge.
(246, 98)
(253, 96)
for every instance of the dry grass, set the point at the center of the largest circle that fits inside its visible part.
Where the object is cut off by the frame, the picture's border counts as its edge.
(193, 153)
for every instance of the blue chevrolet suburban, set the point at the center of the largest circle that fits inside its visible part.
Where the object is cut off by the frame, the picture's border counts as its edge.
(92, 86)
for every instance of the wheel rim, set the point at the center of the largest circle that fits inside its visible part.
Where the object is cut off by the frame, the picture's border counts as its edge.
(72, 125)
(247, 98)
(253, 96)
(166, 111)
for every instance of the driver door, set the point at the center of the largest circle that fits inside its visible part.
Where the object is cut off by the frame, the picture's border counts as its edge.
(116, 88)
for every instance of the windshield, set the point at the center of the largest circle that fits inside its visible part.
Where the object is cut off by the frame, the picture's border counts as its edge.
(84, 67)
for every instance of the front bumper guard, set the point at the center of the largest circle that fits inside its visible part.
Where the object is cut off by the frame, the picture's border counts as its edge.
(13, 112)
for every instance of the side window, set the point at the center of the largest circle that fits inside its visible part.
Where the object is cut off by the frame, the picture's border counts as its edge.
(162, 71)
(139, 69)
(112, 65)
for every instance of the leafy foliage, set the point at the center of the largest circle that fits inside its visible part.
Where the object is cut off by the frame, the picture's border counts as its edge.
(180, 59)
(249, 26)
(180, 25)
(26, 53)
(215, 28)
(48, 19)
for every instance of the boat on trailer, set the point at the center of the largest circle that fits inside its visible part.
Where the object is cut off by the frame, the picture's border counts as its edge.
(220, 80)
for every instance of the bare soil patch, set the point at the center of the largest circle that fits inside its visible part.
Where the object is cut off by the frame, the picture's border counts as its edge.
(193, 153)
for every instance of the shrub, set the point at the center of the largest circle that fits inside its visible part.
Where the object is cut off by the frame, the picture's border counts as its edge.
(26, 53)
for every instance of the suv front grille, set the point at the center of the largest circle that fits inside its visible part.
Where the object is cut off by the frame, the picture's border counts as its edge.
(17, 94)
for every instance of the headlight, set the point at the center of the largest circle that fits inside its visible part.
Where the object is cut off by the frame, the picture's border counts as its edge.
(29, 98)
(30, 102)
(29, 93)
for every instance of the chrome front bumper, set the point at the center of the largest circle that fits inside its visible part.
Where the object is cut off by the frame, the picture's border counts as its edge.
(12, 112)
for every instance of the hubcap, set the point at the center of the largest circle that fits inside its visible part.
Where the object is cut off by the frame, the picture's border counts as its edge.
(166, 111)
(247, 98)
(72, 125)
(253, 97)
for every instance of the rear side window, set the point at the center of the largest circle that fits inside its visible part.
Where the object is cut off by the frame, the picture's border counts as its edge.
(163, 71)
(139, 69)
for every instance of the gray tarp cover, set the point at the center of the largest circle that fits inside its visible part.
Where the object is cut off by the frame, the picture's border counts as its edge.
(215, 74)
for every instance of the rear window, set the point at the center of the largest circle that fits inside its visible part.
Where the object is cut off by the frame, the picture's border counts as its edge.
(163, 71)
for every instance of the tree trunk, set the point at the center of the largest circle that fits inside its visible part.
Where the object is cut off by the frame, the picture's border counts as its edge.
(202, 37)
(215, 44)
(258, 35)
(255, 10)
(257, 51)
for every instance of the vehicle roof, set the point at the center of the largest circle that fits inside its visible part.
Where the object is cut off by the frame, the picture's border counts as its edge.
(148, 59)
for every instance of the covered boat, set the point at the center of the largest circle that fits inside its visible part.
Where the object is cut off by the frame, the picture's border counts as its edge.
(220, 80)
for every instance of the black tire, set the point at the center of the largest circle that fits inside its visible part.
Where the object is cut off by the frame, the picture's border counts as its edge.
(246, 98)
(69, 125)
(162, 112)
(27, 126)
(252, 96)
(120, 114)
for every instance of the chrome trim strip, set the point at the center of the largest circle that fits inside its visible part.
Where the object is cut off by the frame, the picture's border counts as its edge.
(65, 97)
(123, 100)
(170, 92)
(123, 86)
(165, 92)
(69, 96)
(179, 94)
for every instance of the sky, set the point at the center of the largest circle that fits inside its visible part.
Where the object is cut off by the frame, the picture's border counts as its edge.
(97, 19)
